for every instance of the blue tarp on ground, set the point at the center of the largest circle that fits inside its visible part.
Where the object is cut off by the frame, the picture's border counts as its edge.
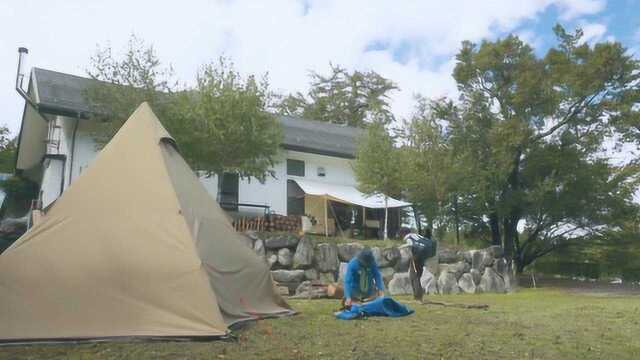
(382, 306)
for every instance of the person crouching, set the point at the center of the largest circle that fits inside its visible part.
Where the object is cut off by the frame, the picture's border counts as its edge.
(362, 280)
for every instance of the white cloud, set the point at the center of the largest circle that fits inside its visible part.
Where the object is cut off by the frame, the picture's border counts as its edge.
(287, 38)
(593, 32)
(572, 9)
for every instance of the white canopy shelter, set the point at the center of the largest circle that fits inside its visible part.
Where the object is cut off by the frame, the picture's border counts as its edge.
(348, 194)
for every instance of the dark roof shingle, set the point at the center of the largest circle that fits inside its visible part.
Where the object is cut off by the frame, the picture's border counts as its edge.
(64, 94)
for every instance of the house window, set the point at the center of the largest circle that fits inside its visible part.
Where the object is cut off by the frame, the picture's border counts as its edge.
(228, 185)
(295, 199)
(295, 167)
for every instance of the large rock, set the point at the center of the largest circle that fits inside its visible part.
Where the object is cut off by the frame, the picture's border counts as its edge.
(258, 247)
(386, 257)
(377, 255)
(327, 277)
(281, 241)
(247, 241)
(285, 257)
(303, 257)
(457, 269)
(400, 284)
(447, 283)
(510, 280)
(449, 256)
(474, 258)
(500, 266)
(252, 235)
(491, 282)
(496, 251)
(389, 256)
(347, 251)
(476, 275)
(306, 289)
(466, 283)
(432, 265)
(327, 258)
(311, 274)
(288, 276)
(272, 258)
(402, 264)
(387, 274)
(342, 270)
(428, 282)
(479, 259)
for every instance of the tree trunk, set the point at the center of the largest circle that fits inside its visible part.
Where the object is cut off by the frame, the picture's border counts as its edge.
(386, 216)
(494, 223)
(457, 218)
(509, 234)
(416, 215)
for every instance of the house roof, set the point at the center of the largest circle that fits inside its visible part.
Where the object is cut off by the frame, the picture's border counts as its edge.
(63, 94)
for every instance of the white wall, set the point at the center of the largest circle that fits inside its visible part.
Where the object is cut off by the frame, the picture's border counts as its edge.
(84, 152)
(338, 170)
(274, 191)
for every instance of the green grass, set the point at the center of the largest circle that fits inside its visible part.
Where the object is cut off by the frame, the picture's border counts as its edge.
(530, 324)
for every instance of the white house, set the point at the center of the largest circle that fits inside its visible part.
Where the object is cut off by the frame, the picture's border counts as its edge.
(314, 175)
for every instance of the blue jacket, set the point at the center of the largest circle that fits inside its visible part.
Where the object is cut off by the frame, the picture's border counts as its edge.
(352, 284)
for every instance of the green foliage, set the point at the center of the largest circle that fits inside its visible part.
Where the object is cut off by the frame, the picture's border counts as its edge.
(355, 99)
(221, 124)
(125, 83)
(20, 191)
(520, 156)
(7, 151)
(378, 166)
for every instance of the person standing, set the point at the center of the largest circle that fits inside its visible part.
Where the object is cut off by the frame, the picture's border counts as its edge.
(422, 248)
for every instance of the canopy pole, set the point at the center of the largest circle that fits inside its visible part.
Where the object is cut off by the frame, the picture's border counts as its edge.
(364, 223)
(326, 218)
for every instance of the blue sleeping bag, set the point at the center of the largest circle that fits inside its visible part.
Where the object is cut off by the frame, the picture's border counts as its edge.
(382, 306)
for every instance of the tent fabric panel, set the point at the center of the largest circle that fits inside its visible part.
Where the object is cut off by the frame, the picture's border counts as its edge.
(113, 257)
(347, 194)
(240, 279)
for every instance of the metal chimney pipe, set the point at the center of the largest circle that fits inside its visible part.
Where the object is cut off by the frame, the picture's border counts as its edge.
(20, 75)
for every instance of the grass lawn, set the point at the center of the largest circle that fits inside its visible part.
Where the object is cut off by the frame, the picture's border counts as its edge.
(531, 324)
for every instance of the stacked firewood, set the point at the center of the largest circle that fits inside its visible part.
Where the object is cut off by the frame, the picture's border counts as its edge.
(272, 222)
(251, 224)
(290, 223)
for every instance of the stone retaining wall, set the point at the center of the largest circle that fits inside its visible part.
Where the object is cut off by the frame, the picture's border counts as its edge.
(294, 260)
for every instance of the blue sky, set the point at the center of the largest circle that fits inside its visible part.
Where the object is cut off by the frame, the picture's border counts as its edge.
(617, 20)
(411, 42)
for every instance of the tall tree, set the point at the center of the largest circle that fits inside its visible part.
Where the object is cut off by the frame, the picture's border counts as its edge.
(7, 150)
(378, 166)
(352, 98)
(434, 175)
(222, 123)
(528, 133)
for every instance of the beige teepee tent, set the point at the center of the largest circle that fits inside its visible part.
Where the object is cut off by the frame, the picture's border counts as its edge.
(135, 247)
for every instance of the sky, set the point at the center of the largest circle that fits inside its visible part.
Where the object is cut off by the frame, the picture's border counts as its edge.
(413, 43)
